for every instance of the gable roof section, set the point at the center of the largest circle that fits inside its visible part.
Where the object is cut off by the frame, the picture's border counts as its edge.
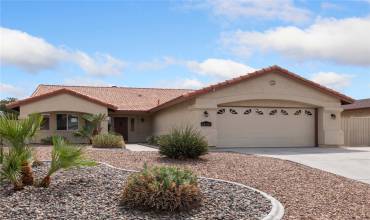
(277, 69)
(116, 98)
(358, 104)
(58, 92)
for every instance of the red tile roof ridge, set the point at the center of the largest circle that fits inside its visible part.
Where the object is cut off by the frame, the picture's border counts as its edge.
(250, 75)
(124, 87)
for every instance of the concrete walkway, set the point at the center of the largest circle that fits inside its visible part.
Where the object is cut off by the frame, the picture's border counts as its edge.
(139, 147)
(350, 162)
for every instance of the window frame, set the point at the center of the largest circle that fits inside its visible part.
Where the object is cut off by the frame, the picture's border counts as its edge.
(74, 116)
(48, 126)
(67, 121)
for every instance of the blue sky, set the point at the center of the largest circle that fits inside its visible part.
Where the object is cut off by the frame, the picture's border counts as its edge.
(187, 44)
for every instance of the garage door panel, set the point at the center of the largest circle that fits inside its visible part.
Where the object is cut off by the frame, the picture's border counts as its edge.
(266, 127)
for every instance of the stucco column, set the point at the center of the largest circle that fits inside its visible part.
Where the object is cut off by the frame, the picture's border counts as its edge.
(330, 127)
(104, 126)
(206, 114)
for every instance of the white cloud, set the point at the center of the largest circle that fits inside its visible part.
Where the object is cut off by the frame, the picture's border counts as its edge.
(157, 63)
(185, 83)
(100, 65)
(219, 68)
(189, 84)
(84, 81)
(34, 54)
(343, 41)
(11, 91)
(330, 5)
(284, 10)
(28, 52)
(332, 80)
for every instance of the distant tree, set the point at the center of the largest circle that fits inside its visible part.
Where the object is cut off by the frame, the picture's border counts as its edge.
(3, 103)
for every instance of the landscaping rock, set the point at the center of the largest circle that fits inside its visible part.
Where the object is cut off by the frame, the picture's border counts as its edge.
(94, 193)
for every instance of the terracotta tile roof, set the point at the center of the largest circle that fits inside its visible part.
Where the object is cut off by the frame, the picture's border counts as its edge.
(118, 98)
(277, 69)
(153, 99)
(358, 104)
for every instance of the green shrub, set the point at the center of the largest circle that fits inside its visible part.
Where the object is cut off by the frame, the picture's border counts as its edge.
(108, 141)
(65, 156)
(185, 142)
(153, 140)
(162, 189)
(49, 140)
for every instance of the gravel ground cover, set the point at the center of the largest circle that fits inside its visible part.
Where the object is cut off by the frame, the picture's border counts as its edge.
(305, 192)
(93, 193)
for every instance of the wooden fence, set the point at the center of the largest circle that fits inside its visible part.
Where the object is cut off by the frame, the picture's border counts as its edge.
(356, 131)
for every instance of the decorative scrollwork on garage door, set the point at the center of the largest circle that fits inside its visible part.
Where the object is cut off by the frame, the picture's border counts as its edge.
(298, 112)
(307, 112)
(221, 111)
(259, 112)
(248, 111)
(284, 112)
(233, 111)
(273, 112)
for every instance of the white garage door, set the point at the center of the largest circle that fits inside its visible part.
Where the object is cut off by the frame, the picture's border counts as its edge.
(265, 127)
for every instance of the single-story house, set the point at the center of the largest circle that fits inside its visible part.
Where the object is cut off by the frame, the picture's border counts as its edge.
(271, 107)
(359, 108)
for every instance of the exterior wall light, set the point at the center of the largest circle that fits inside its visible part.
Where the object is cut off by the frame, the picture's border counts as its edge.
(205, 113)
(333, 116)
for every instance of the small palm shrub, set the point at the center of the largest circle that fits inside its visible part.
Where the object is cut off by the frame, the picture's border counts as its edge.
(11, 169)
(184, 142)
(92, 126)
(162, 189)
(64, 156)
(17, 132)
(108, 141)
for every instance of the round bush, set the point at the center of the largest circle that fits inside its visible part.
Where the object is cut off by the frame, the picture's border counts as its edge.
(108, 141)
(183, 143)
(162, 189)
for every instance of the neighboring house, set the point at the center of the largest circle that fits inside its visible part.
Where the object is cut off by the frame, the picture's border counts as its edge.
(360, 108)
(356, 123)
(271, 107)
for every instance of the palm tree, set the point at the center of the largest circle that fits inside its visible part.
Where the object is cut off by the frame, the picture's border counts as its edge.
(92, 126)
(12, 167)
(17, 133)
(64, 156)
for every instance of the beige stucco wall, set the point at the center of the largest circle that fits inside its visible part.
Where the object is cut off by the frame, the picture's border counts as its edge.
(267, 103)
(63, 103)
(142, 128)
(356, 113)
(257, 92)
(178, 115)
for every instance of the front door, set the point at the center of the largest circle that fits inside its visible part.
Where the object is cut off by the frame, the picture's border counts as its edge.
(121, 127)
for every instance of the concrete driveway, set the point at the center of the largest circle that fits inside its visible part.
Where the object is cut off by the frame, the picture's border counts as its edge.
(350, 162)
